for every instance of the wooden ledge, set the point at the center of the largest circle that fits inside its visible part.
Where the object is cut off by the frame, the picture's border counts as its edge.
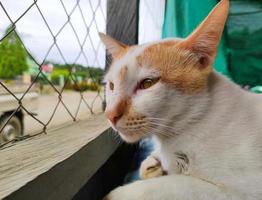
(52, 155)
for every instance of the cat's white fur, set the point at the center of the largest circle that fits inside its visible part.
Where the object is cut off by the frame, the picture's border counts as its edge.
(209, 142)
(221, 136)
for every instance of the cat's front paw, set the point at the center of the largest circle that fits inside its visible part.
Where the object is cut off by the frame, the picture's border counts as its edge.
(150, 168)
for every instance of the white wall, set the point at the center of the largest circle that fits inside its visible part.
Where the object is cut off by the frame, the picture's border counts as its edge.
(151, 18)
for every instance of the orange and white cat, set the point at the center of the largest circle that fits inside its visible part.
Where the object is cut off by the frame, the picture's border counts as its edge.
(208, 130)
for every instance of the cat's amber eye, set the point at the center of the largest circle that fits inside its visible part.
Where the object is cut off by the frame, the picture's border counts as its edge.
(147, 83)
(111, 86)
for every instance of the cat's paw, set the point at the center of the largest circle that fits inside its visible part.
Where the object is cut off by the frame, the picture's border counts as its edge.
(150, 168)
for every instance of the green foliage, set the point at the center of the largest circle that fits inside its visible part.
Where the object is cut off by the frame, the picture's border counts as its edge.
(83, 86)
(57, 73)
(93, 85)
(12, 57)
(83, 74)
(94, 73)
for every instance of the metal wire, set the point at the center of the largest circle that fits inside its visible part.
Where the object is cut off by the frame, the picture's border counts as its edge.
(70, 77)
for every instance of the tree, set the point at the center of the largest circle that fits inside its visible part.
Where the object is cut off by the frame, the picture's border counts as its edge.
(95, 73)
(12, 56)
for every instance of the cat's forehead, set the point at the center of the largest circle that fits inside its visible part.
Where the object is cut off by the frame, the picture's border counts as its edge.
(136, 59)
(126, 63)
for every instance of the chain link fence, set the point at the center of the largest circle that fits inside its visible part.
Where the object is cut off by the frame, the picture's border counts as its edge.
(57, 43)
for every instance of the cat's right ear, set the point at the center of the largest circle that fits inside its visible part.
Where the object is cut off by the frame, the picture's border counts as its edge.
(113, 46)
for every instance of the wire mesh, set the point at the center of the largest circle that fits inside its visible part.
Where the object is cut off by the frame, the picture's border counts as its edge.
(91, 19)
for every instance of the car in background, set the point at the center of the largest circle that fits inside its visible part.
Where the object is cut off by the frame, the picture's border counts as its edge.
(12, 114)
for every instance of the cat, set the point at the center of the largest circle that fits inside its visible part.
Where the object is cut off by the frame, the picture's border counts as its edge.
(207, 129)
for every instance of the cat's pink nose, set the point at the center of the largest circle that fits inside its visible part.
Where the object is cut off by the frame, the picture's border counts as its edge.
(114, 114)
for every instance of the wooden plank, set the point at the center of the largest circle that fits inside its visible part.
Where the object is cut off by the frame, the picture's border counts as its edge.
(67, 178)
(28, 159)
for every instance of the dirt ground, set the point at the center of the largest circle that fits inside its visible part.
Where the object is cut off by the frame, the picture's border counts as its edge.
(47, 104)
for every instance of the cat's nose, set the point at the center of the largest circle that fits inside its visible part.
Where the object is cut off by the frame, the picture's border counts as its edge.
(116, 112)
(113, 116)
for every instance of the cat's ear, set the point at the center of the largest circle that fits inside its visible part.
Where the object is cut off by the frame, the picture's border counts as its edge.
(205, 39)
(113, 46)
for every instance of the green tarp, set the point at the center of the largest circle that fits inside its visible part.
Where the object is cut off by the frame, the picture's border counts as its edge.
(240, 51)
(244, 42)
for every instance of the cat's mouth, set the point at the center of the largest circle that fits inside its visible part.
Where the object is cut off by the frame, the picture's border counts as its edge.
(131, 129)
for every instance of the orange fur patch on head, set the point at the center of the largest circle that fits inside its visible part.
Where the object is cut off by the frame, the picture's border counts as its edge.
(170, 43)
(178, 67)
(126, 105)
(123, 74)
(186, 64)
(120, 54)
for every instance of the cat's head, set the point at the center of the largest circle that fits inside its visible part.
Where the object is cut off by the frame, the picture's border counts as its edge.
(148, 85)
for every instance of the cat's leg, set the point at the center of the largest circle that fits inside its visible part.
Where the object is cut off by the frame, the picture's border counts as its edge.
(172, 187)
(151, 167)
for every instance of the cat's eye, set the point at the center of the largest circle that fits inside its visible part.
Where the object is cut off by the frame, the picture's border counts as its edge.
(147, 83)
(111, 86)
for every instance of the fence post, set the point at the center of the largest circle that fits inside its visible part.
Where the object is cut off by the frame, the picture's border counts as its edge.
(122, 20)
(122, 23)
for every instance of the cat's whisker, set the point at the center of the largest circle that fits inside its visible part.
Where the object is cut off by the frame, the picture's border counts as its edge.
(151, 127)
(171, 133)
(162, 119)
(162, 125)
(115, 137)
(162, 132)
(163, 129)
(118, 140)
(172, 130)
(144, 131)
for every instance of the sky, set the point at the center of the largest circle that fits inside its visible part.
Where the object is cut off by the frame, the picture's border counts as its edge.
(37, 38)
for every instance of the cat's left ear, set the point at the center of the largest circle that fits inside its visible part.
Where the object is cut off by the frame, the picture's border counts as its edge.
(113, 46)
(205, 39)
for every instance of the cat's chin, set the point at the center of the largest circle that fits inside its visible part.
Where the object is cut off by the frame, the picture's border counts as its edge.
(130, 137)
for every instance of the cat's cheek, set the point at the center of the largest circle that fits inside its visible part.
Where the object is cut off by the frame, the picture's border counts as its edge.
(143, 100)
